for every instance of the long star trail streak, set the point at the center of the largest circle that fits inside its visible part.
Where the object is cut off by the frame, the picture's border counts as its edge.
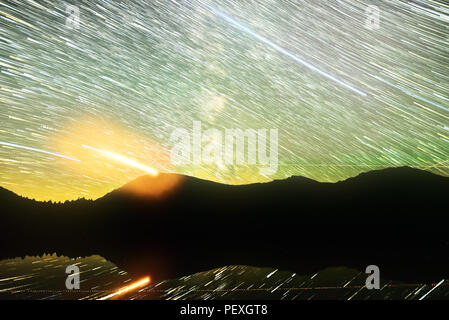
(128, 288)
(283, 51)
(415, 96)
(345, 99)
(37, 150)
(124, 160)
(430, 291)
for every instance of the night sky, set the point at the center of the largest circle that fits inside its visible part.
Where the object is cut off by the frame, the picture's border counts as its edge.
(345, 98)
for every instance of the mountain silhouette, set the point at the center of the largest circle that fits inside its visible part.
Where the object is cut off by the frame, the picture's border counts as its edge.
(394, 218)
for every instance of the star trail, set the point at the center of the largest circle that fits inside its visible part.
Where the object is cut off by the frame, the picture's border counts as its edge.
(35, 278)
(281, 50)
(121, 76)
(37, 150)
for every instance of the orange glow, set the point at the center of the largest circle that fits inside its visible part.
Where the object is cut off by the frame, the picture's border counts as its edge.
(128, 288)
(153, 186)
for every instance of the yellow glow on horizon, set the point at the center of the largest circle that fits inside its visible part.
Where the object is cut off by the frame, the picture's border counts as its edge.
(110, 156)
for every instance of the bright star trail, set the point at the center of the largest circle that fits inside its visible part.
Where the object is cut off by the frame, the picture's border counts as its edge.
(345, 99)
(430, 291)
(285, 52)
(124, 160)
(128, 288)
(37, 150)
